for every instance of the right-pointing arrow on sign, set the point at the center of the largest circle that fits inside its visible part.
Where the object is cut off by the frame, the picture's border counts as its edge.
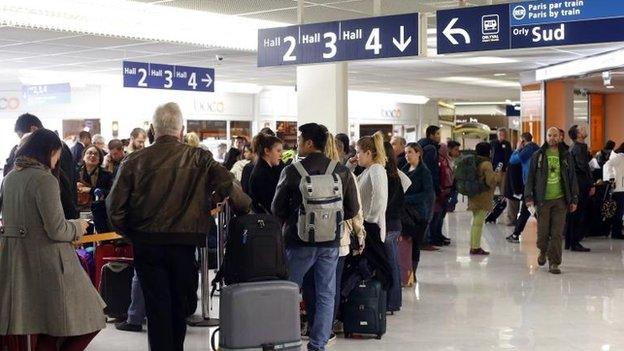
(449, 31)
(403, 44)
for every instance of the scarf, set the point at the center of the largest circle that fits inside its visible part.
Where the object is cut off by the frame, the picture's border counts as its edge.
(27, 162)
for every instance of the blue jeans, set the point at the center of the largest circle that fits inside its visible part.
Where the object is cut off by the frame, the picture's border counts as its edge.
(323, 261)
(392, 250)
(308, 291)
(136, 311)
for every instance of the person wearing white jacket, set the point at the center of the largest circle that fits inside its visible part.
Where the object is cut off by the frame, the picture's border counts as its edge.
(373, 184)
(614, 171)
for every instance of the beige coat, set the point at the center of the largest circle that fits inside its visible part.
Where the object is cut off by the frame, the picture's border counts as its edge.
(483, 201)
(43, 288)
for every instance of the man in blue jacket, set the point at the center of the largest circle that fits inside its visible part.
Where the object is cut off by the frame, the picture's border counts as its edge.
(522, 155)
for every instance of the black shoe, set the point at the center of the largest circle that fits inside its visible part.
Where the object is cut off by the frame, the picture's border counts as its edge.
(125, 326)
(541, 259)
(514, 238)
(580, 248)
(554, 269)
(446, 241)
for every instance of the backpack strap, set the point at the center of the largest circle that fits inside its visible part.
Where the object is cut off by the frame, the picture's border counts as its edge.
(302, 171)
(331, 168)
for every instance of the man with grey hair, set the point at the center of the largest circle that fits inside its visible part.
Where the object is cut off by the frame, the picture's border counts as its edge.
(398, 146)
(161, 200)
(551, 187)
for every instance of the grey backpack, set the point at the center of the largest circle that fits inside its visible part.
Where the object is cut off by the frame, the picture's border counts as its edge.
(321, 212)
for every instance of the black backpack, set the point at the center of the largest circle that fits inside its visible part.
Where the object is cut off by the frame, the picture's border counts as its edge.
(254, 251)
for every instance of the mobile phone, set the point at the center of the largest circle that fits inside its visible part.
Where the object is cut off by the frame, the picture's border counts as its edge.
(499, 167)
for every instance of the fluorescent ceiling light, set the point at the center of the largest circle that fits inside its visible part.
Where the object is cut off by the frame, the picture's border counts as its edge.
(486, 82)
(610, 87)
(478, 61)
(484, 103)
(500, 74)
(135, 20)
(582, 66)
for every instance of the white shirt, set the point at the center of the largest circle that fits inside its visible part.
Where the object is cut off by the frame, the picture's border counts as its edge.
(373, 186)
(614, 169)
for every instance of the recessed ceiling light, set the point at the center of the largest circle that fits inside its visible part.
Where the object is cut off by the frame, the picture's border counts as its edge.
(500, 74)
(610, 87)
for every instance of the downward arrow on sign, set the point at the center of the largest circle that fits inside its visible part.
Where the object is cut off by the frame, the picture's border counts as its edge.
(403, 44)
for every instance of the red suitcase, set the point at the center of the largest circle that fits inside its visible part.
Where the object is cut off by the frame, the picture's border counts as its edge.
(405, 258)
(105, 253)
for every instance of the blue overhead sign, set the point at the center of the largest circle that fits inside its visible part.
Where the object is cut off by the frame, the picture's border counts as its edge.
(359, 39)
(47, 94)
(157, 76)
(473, 29)
(530, 24)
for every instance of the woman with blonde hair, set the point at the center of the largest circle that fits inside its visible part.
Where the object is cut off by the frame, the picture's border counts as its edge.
(373, 184)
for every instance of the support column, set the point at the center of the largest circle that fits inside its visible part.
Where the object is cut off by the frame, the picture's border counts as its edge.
(323, 92)
(559, 105)
(322, 96)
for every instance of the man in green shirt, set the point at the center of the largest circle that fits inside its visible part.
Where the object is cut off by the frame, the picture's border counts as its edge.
(552, 187)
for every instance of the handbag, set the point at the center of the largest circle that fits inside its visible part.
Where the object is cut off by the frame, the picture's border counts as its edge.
(609, 206)
(410, 217)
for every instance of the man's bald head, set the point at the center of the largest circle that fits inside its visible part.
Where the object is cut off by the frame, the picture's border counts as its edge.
(553, 136)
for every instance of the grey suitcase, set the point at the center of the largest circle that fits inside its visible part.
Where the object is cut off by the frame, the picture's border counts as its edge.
(259, 316)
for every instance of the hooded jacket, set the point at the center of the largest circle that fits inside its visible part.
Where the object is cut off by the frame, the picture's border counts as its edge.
(535, 189)
(430, 159)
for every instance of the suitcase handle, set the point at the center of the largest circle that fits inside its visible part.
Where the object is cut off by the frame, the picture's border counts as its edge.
(213, 339)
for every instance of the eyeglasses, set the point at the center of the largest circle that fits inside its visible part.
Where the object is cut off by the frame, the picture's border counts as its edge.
(91, 153)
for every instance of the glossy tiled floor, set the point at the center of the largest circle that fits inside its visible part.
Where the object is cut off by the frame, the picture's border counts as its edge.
(502, 302)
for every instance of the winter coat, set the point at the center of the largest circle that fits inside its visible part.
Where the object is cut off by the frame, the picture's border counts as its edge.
(483, 200)
(43, 287)
(535, 189)
(523, 157)
(262, 186)
(420, 194)
(430, 159)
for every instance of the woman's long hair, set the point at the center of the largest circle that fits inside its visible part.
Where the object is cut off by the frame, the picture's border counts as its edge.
(39, 146)
(392, 169)
(374, 144)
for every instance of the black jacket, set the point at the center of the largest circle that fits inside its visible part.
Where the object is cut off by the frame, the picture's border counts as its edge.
(396, 199)
(401, 161)
(513, 182)
(287, 200)
(77, 151)
(580, 155)
(232, 156)
(246, 175)
(501, 153)
(430, 159)
(262, 186)
(163, 194)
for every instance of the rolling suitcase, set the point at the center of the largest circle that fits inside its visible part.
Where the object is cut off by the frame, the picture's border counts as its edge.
(364, 310)
(104, 252)
(259, 316)
(499, 205)
(405, 259)
(116, 287)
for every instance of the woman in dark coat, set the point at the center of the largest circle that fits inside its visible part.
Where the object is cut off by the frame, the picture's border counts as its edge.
(419, 197)
(266, 172)
(92, 176)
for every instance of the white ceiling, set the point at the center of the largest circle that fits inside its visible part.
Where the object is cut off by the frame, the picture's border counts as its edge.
(446, 77)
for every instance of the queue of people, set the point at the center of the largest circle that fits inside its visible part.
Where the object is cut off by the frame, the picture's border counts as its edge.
(384, 192)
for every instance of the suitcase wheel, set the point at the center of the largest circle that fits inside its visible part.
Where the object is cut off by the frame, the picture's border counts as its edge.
(378, 337)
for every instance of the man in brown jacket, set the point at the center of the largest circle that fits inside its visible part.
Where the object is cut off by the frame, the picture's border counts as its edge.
(161, 199)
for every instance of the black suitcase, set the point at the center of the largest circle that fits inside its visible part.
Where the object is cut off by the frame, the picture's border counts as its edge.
(115, 288)
(364, 310)
(254, 251)
(499, 204)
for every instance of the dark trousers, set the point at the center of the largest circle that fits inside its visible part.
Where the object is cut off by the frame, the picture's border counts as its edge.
(522, 220)
(168, 275)
(616, 226)
(417, 233)
(576, 223)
